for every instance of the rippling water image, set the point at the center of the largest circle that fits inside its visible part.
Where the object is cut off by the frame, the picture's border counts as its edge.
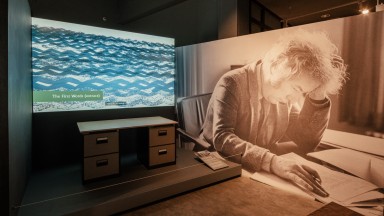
(78, 70)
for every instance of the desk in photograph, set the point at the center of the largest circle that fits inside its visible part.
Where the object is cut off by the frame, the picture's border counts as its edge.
(238, 196)
(101, 144)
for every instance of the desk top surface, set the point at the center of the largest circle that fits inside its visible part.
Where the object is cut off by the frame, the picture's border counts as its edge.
(239, 196)
(103, 125)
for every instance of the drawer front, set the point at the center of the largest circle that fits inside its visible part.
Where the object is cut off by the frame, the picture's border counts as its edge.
(161, 135)
(161, 154)
(99, 166)
(101, 143)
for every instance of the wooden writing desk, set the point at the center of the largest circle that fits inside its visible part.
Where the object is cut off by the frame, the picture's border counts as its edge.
(101, 144)
(239, 196)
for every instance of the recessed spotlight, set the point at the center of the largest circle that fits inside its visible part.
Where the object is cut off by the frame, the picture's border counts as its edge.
(365, 11)
(325, 15)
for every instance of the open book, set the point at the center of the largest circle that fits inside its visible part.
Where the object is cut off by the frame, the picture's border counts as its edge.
(344, 189)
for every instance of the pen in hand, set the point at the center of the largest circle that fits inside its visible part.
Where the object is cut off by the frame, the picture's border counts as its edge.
(318, 189)
(316, 180)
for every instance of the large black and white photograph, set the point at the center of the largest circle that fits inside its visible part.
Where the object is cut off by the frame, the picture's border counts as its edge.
(299, 108)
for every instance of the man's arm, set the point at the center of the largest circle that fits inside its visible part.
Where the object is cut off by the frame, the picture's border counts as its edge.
(306, 127)
(226, 99)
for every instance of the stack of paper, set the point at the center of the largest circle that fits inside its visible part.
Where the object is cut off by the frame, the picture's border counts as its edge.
(344, 189)
(360, 164)
(357, 142)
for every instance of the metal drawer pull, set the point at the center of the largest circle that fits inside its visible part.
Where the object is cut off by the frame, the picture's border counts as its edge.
(162, 132)
(102, 140)
(162, 151)
(103, 162)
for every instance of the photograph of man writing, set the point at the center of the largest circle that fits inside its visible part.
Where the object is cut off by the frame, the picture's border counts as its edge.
(277, 105)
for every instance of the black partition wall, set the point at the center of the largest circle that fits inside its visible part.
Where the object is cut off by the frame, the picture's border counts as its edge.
(4, 165)
(16, 102)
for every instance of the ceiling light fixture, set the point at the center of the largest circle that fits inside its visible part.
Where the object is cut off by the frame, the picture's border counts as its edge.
(364, 11)
(286, 21)
(364, 7)
(325, 15)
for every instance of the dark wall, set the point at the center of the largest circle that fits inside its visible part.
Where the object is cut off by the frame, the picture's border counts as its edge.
(4, 156)
(19, 103)
(87, 12)
(189, 22)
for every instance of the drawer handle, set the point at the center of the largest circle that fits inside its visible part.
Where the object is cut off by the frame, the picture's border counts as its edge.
(103, 162)
(162, 151)
(102, 140)
(162, 132)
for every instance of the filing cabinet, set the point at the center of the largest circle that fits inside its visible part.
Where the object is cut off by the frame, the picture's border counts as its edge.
(157, 146)
(101, 155)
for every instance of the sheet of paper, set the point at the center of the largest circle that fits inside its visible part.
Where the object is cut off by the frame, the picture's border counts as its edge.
(340, 186)
(377, 172)
(371, 145)
(377, 211)
(275, 181)
(373, 196)
(357, 163)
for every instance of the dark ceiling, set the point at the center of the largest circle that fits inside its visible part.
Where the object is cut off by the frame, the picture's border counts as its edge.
(292, 12)
(192, 21)
(299, 12)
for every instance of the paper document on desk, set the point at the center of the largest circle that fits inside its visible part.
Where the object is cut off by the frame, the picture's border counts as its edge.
(275, 181)
(358, 142)
(341, 187)
(365, 199)
(357, 163)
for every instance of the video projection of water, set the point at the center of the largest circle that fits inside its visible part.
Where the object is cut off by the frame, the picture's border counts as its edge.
(78, 67)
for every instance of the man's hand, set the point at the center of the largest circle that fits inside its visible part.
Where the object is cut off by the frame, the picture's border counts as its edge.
(318, 94)
(301, 175)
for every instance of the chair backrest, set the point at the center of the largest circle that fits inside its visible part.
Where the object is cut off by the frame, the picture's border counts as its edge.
(191, 112)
